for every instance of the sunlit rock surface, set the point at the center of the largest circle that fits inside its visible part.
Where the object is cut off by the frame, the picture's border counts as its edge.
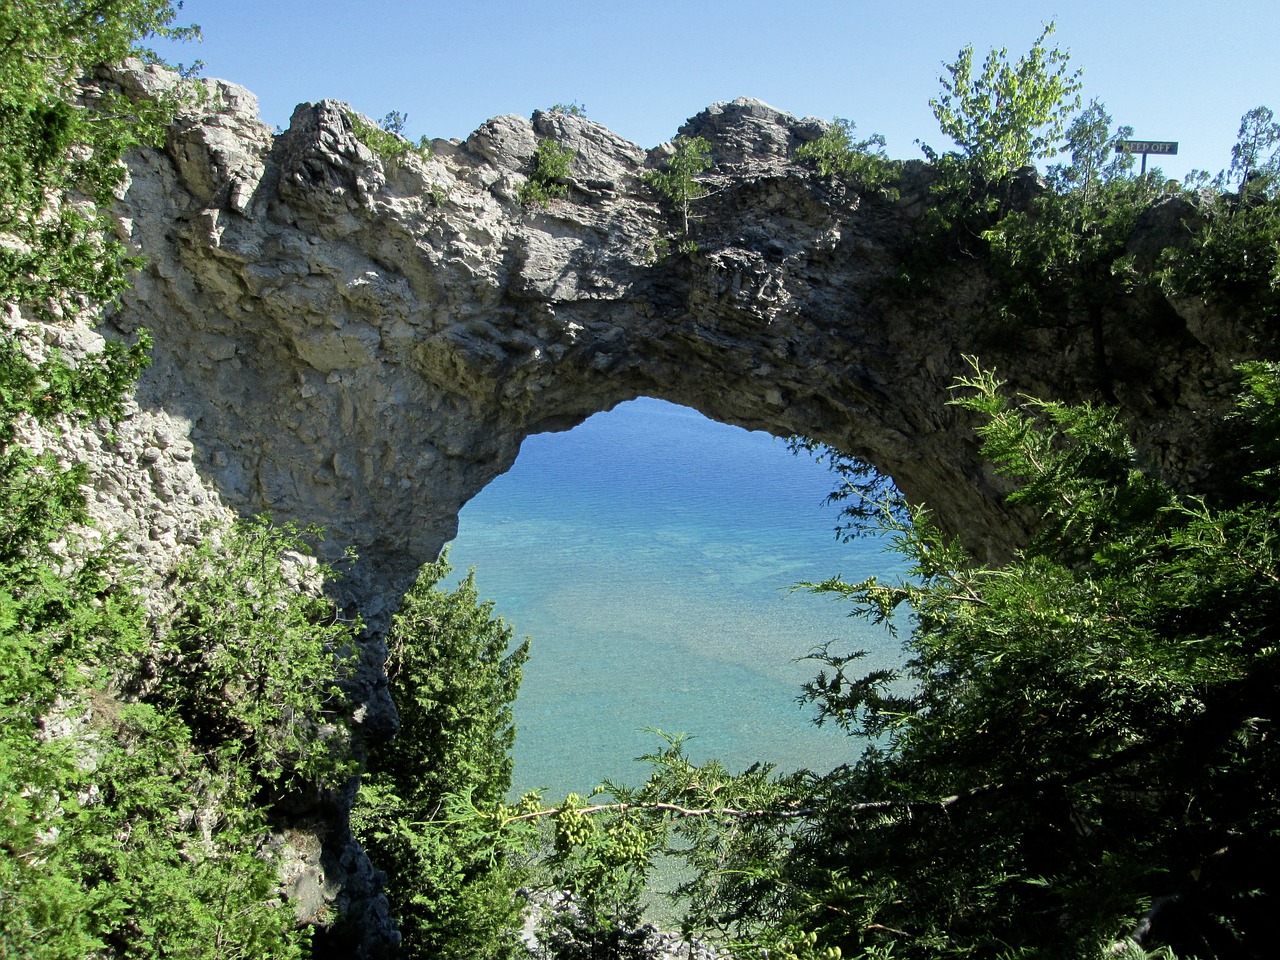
(363, 343)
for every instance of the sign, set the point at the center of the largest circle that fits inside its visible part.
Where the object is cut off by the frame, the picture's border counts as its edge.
(1168, 148)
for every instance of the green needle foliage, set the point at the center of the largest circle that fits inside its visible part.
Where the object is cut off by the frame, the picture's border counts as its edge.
(1083, 733)
(454, 675)
(56, 137)
(863, 492)
(132, 827)
(139, 758)
(251, 659)
(1076, 754)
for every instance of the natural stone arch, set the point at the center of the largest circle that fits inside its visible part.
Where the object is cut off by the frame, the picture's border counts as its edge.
(363, 343)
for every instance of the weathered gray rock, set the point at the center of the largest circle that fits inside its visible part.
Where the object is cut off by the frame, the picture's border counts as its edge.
(363, 343)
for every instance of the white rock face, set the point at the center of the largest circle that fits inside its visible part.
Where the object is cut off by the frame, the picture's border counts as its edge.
(363, 343)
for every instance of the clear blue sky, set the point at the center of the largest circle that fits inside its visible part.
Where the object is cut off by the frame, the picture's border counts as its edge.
(1175, 70)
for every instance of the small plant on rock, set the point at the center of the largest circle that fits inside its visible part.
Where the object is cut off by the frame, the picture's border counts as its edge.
(837, 154)
(551, 163)
(572, 109)
(678, 178)
(387, 139)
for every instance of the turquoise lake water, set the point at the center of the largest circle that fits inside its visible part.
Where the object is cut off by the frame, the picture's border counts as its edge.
(649, 554)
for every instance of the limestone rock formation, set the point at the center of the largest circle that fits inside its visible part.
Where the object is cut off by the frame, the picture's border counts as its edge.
(363, 342)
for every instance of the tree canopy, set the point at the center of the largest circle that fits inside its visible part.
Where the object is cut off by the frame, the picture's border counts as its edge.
(1010, 114)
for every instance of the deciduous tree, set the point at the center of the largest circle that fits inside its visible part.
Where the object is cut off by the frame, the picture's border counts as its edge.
(678, 178)
(1009, 114)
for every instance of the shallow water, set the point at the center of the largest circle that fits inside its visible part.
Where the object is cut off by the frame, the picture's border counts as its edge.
(650, 553)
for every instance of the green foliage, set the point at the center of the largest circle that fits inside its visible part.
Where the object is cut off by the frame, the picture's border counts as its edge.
(1010, 114)
(136, 830)
(864, 493)
(862, 162)
(1078, 736)
(394, 122)
(449, 658)
(551, 163)
(1232, 257)
(170, 879)
(1259, 411)
(1061, 255)
(251, 659)
(54, 138)
(89, 865)
(1003, 120)
(421, 808)
(128, 827)
(571, 109)
(127, 861)
(53, 618)
(1064, 261)
(54, 258)
(594, 876)
(60, 619)
(1075, 759)
(42, 498)
(677, 181)
(597, 851)
(386, 139)
(1094, 160)
(1250, 167)
(602, 849)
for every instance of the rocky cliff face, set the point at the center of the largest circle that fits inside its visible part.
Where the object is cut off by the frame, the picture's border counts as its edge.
(363, 343)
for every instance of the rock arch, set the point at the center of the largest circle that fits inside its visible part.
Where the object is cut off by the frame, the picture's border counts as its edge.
(363, 342)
